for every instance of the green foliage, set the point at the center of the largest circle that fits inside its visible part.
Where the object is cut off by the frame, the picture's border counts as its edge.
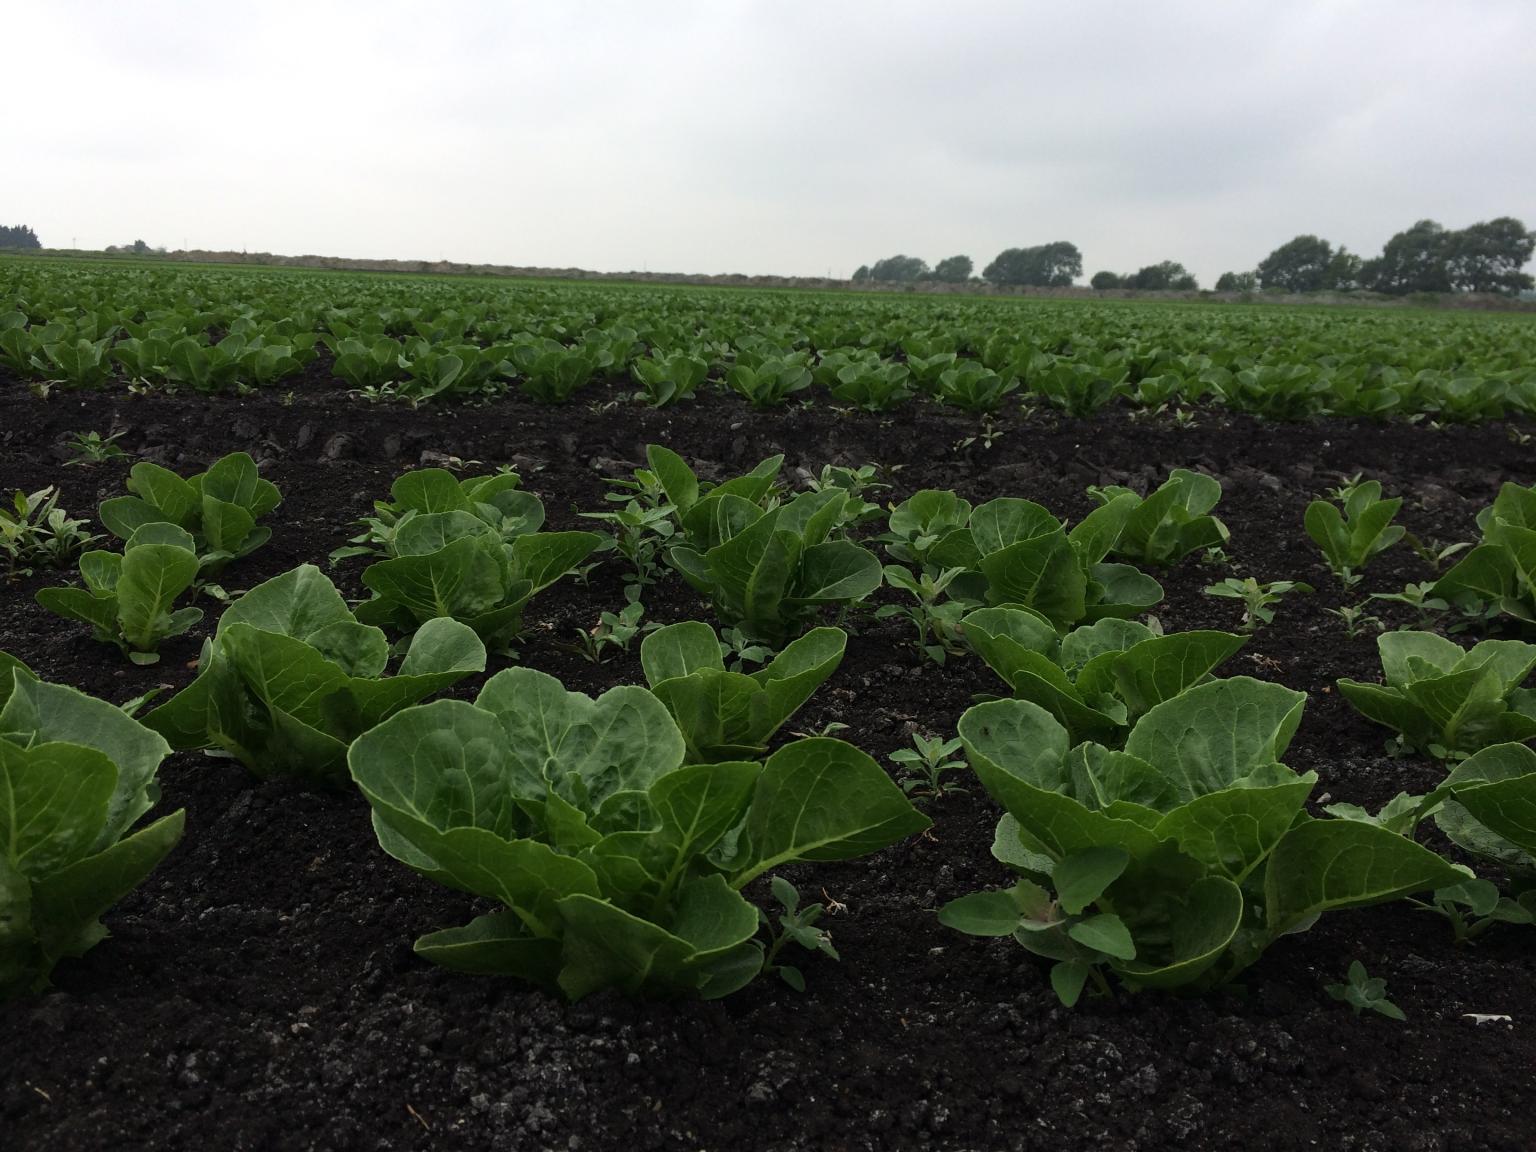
(498, 501)
(1179, 860)
(36, 532)
(1499, 575)
(219, 508)
(1098, 680)
(768, 570)
(1355, 529)
(972, 386)
(1171, 522)
(1015, 552)
(668, 379)
(796, 925)
(1446, 700)
(921, 521)
(770, 383)
(290, 678)
(935, 620)
(129, 597)
(76, 775)
(466, 550)
(1052, 265)
(728, 715)
(617, 864)
(1365, 994)
(93, 448)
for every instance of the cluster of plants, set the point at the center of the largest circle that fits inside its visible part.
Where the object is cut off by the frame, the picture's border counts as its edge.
(1154, 833)
(418, 340)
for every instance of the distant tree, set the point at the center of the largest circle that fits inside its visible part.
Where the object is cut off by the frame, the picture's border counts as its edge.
(1489, 256)
(1237, 282)
(900, 269)
(861, 274)
(1105, 280)
(953, 269)
(1169, 274)
(140, 247)
(1414, 260)
(20, 236)
(1299, 265)
(1053, 265)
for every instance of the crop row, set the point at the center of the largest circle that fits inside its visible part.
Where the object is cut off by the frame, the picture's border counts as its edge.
(1153, 830)
(415, 340)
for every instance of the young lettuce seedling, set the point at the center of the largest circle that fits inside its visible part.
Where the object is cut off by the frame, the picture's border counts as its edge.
(1171, 523)
(1355, 529)
(1449, 701)
(128, 597)
(77, 774)
(616, 863)
(1179, 860)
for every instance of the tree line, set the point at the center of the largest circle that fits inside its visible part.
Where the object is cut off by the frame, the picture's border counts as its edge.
(1485, 257)
(20, 236)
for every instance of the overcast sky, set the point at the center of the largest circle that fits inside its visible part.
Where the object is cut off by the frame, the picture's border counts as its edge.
(765, 137)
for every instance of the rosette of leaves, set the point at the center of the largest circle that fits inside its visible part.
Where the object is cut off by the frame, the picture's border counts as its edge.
(464, 550)
(1355, 529)
(1178, 860)
(129, 597)
(1171, 522)
(498, 500)
(76, 775)
(219, 507)
(1446, 700)
(921, 521)
(290, 678)
(1499, 575)
(616, 863)
(1099, 679)
(1015, 552)
(1487, 807)
(767, 566)
(732, 715)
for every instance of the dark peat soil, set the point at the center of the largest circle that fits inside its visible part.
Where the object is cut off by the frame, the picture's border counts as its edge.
(259, 991)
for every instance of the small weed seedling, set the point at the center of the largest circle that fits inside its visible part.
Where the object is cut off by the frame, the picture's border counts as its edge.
(92, 448)
(1475, 905)
(937, 624)
(926, 763)
(1356, 621)
(1433, 553)
(1420, 598)
(641, 531)
(1259, 600)
(615, 629)
(989, 435)
(738, 649)
(36, 532)
(1365, 993)
(796, 926)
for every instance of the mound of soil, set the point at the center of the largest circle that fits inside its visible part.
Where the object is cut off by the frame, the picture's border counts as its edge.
(259, 991)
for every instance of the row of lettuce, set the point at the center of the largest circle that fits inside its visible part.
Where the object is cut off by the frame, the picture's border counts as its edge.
(415, 340)
(1152, 828)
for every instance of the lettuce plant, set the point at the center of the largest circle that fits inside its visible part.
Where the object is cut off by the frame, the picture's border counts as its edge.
(218, 507)
(1355, 529)
(665, 380)
(921, 521)
(1179, 860)
(290, 678)
(616, 863)
(462, 549)
(1170, 523)
(730, 715)
(498, 500)
(1446, 700)
(129, 597)
(1098, 680)
(1015, 552)
(1499, 575)
(769, 571)
(76, 774)
(770, 383)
